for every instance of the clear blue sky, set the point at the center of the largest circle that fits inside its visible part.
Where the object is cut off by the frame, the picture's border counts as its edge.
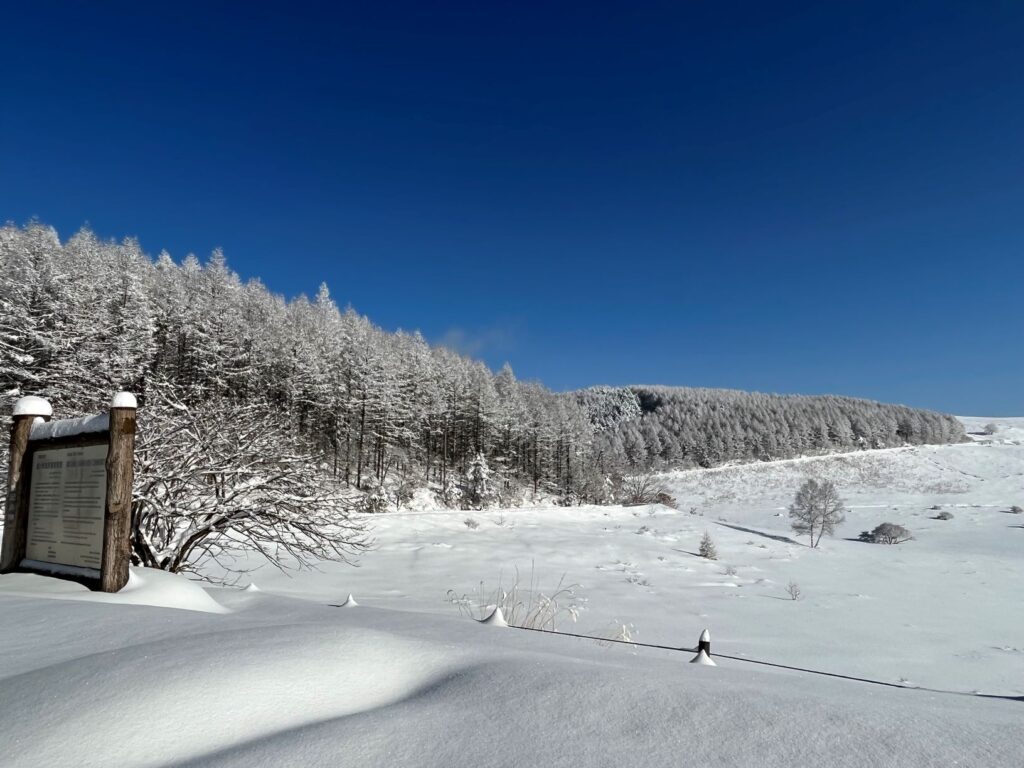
(798, 198)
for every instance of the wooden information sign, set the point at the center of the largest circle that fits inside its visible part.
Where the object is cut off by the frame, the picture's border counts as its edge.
(68, 510)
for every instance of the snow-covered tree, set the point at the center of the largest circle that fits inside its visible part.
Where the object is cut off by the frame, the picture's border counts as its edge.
(479, 490)
(816, 510)
(215, 479)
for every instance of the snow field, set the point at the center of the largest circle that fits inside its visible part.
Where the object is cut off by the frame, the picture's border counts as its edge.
(168, 673)
(287, 682)
(944, 610)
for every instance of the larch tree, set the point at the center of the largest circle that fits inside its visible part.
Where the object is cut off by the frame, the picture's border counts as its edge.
(816, 510)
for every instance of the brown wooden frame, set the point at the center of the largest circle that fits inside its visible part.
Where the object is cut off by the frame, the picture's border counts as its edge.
(116, 554)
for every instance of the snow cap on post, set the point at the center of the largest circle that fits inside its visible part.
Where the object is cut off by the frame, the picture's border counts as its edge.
(124, 400)
(30, 405)
(496, 619)
(704, 650)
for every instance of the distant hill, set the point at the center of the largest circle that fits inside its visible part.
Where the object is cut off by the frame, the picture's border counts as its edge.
(683, 426)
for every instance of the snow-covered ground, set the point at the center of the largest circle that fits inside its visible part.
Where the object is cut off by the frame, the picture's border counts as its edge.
(275, 676)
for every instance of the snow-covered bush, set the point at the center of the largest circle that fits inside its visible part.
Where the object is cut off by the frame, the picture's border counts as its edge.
(666, 499)
(375, 501)
(707, 547)
(470, 523)
(451, 494)
(886, 533)
(216, 479)
(1016, 510)
(642, 489)
(991, 428)
(944, 516)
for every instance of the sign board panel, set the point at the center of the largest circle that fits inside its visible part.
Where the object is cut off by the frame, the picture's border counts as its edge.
(67, 506)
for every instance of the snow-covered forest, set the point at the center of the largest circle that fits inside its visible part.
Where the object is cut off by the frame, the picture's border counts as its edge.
(678, 427)
(368, 410)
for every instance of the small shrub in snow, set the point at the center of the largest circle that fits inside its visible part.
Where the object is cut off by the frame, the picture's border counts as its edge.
(935, 508)
(944, 516)
(666, 499)
(522, 606)
(730, 570)
(471, 523)
(642, 489)
(617, 632)
(707, 547)
(886, 533)
(569, 499)
(451, 494)
(991, 428)
(793, 590)
(376, 500)
(1016, 510)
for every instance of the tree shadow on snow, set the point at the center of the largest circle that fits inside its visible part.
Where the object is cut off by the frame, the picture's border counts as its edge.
(772, 536)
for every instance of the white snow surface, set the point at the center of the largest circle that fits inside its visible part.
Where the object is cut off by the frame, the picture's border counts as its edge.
(30, 405)
(124, 400)
(46, 430)
(168, 673)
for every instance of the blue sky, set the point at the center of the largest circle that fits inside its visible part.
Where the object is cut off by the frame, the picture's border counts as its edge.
(779, 197)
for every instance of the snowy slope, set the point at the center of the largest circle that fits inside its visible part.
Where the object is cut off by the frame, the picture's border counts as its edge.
(170, 674)
(947, 604)
(287, 682)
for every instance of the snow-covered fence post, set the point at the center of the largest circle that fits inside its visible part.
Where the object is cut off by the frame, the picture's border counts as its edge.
(704, 650)
(120, 475)
(26, 411)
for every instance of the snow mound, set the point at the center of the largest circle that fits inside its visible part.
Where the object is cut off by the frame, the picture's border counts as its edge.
(495, 619)
(146, 586)
(189, 698)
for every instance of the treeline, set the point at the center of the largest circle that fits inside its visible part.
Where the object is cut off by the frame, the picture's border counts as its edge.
(680, 427)
(371, 410)
(82, 319)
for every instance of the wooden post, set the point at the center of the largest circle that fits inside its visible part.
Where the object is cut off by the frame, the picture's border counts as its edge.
(704, 650)
(120, 476)
(704, 644)
(26, 411)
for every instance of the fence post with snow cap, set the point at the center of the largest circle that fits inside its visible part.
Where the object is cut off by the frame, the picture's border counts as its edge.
(26, 411)
(704, 650)
(120, 476)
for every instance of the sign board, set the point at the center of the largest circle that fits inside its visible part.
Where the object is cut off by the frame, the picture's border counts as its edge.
(69, 494)
(67, 507)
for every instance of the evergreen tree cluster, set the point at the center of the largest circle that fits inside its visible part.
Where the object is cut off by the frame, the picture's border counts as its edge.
(686, 427)
(374, 410)
(82, 319)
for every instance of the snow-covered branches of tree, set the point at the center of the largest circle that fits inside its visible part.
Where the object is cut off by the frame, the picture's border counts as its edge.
(685, 427)
(363, 409)
(220, 477)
